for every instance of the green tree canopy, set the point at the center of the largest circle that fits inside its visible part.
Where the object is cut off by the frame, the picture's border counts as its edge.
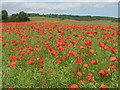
(22, 17)
(4, 14)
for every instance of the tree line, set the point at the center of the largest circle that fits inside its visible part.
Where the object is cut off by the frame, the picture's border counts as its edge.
(81, 18)
(75, 17)
(19, 17)
(23, 17)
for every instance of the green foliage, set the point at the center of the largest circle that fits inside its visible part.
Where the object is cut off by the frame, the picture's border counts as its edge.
(80, 18)
(33, 14)
(4, 14)
(28, 76)
(21, 17)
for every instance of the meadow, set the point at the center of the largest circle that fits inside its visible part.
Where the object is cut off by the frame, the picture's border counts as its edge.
(52, 53)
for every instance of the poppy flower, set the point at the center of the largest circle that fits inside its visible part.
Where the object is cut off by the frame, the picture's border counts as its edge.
(4, 44)
(12, 50)
(56, 57)
(82, 47)
(89, 74)
(106, 48)
(31, 62)
(98, 38)
(92, 51)
(113, 59)
(91, 79)
(104, 86)
(85, 65)
(15, 44)
(73, 53)
(41, 61)
(78, 68)
(102, 44)
(75, 35)
(101, 72)
(41, 70)
(79, 60)
(54, 53)
(37, 49)
(86, 55)
(13, 64)
(113, 50)
(74, 86)
(79, 74)
(104, 73)
(64, 57)
(58, 62)
(94, 62)
(41, 66)
(10, 88)
(22, 41)
(20, 48)
(77, 41)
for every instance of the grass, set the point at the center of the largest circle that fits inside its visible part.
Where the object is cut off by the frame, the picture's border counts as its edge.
(57, 20)
(56, 75)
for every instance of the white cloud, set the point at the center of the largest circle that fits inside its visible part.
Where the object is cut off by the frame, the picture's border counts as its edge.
(88, 8)
(14, 1)
(60, 0)
(89, 0)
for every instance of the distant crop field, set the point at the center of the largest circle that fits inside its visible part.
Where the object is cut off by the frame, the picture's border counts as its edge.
(57, 20)
(41, 18)
(60, 54)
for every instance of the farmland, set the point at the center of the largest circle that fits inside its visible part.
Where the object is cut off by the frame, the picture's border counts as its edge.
(52, 53)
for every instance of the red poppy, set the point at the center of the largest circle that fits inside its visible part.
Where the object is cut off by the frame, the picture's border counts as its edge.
(10, 88)
(64, 57)
(31, 62)
(79, 74)
(94, 62)
(104, 86)
(41, 70)
(75, 35)
(92, 51)
(78, 68)
(41, 61)
(58, 62)
(113, 59)
(86, 55)
(74, 86)
(102, 44)
(73, 53)
(85, 65)
(79, 60)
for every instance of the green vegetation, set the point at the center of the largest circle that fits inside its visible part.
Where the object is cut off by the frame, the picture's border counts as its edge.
(4, 15)
(26, 42)
(21, 17)
(29, 58)
(75, 17)
(57, 20)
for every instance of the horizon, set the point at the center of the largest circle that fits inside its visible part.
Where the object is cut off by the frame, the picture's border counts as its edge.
(65, 14)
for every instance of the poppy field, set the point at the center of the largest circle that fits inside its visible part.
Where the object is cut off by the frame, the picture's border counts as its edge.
(59, 55)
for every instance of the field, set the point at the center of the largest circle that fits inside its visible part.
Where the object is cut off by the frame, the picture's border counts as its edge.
(56, 53)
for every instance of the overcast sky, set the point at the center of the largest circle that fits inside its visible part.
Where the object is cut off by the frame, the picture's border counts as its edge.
(76, 7)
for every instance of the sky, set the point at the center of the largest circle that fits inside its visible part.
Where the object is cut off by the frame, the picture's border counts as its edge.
(73, 7)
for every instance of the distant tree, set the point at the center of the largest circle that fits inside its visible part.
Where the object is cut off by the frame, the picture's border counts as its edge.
(4, 15)
(23, 17)
(14, 15)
